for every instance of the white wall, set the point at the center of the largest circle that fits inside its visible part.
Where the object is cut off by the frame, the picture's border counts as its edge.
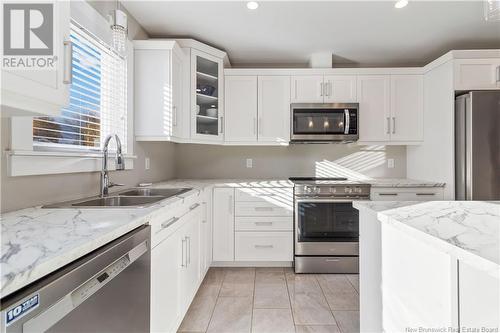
(433, 160)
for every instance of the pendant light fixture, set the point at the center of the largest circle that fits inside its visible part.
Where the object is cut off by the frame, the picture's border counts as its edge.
(118, 22)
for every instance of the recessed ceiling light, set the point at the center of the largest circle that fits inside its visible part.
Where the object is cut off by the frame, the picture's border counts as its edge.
(401, 3)
(252, 5)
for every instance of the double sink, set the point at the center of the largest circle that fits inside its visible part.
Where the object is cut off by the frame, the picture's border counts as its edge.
(131, 198)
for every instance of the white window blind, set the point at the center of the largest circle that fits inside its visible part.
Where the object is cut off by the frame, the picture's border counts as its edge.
(98, 100)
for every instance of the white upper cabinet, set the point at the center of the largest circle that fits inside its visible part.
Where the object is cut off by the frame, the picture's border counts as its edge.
(42, 92)
(158, 91)
(472, 74)
(407, 108)
(374, 107)
(340, 89)
(241, 108)
(323, 89)
(273, 109)
(207, 91)
(307, 89)
(390, 108)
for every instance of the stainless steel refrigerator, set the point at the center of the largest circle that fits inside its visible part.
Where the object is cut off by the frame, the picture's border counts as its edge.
(477, 146)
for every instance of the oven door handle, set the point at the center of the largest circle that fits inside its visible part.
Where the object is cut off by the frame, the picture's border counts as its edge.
(329, 200)
(347, 121)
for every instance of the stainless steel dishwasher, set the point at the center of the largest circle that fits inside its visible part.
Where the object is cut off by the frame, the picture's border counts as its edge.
(107, 290)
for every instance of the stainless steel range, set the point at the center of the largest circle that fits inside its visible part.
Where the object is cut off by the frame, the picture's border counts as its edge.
(326, 225)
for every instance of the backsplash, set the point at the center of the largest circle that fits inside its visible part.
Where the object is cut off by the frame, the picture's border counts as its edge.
(321, 160)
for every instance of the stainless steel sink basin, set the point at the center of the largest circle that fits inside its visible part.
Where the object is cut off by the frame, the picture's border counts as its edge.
(131, 198)
(118, 201)
(149, 192)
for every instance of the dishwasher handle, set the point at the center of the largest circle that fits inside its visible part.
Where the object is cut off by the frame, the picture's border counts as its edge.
(71, 301)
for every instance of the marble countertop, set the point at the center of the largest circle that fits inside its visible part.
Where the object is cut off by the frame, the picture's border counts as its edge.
(380, 206)
(468, 230)
(36, 241)
(402, 182)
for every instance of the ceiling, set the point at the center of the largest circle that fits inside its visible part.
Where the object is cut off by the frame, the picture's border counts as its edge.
(286, 33)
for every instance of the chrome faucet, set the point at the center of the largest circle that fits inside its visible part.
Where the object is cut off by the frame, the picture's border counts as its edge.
(120, 164)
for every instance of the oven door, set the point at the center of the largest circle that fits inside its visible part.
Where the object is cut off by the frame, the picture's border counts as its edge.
(326, 227)
(329, 122)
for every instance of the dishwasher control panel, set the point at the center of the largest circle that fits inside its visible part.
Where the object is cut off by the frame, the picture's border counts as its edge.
(100, 279)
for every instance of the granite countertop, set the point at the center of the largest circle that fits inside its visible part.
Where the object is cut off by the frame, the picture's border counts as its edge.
(468, 230)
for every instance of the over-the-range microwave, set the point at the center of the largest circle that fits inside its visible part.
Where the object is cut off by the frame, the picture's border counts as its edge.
(324, 123)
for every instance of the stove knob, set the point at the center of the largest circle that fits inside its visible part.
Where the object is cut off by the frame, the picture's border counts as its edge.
(348, 190)
(317, 190)
(358, 190)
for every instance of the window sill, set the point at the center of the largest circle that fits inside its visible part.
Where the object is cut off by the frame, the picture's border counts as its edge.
(31, 163)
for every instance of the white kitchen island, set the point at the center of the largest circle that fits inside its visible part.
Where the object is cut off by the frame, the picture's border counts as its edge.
(432, 265)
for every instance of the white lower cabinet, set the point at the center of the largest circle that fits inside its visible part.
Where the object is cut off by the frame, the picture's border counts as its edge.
(425, 286)
(253, 224)
(479, 295)
(223, 224)
(165, 296)
(406, 194)
(263, 246)
(175, 266)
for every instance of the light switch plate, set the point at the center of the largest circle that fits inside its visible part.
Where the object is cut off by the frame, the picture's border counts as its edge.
(390, 163)
(249, 163)
(147, 163)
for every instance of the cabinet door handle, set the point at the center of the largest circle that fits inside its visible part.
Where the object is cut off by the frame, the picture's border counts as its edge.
(425, 193)
(263, 223)
(321, 89)
(168, 223)
(270, 246)
(255, 126)
(498, 74)
(263, 209)
(388, 194)
(221, 124)
(393, 125)
(388, 125)
(68, 62)
(174, 115)
(259, 127)
(230, 204)
(188, 247)
(182, 246)
(194, 206)
(328, 88)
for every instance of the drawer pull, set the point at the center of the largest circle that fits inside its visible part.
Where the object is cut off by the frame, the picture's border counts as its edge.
(194, 206)
(388, 194)
(263, 223)
(426, 193)
(264, 209)
(264, 246)
(168, 223)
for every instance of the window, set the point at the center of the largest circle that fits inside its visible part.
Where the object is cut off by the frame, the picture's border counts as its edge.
(98, 100)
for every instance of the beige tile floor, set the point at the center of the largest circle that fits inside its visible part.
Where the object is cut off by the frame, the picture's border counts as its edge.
(274, 300)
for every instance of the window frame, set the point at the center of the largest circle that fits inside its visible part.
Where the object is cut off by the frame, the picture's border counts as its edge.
(25, 159)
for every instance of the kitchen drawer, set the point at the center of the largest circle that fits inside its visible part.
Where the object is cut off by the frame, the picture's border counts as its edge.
(261, 223)
(275, 195)
(262, 209)
(407, 194)
(263, 246)
(166, 223)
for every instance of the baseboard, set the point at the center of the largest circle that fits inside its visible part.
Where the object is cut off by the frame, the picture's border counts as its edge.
(252, 264)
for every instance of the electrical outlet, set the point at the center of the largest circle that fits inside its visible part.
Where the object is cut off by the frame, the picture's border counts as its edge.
(249, 163)
(390, 163)
(147, 163)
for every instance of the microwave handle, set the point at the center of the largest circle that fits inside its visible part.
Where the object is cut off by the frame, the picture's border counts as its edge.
(347, 121)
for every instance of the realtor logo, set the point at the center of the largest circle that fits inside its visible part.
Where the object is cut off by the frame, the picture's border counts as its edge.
(28, 35)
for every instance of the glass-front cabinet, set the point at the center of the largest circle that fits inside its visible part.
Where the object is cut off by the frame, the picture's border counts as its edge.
(206, 97)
